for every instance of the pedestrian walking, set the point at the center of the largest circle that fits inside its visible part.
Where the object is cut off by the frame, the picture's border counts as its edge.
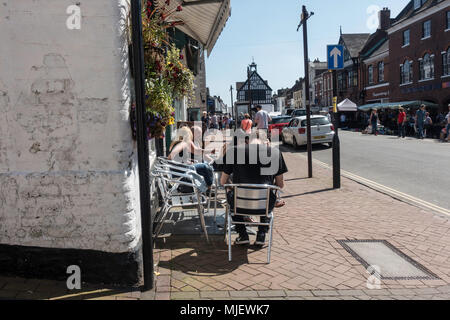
(205, 121)
(247, 124)
(428, 124)
(420, 121)
(401, 123)
(262, 120)
(214, 124)
(448, 124)
(374, 121)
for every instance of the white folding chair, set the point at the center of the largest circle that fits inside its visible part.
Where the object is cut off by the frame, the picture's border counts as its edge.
(250, 200)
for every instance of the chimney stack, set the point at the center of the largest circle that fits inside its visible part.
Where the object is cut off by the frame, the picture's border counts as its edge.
(385, 19)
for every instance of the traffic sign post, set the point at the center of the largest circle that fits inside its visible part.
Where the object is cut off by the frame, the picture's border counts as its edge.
(335, 57)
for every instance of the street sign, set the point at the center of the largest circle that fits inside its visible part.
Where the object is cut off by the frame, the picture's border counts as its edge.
(335, 57)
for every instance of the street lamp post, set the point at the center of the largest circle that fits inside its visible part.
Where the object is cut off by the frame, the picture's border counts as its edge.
(143, 151)
(304, 22)
(232, 103)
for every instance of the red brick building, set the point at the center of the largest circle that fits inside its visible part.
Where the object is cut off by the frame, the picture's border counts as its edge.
(375, 75)
(374, 66)
(419, 53)
(328, 88)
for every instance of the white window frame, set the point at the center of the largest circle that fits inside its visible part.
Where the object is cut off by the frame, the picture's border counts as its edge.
(424, 36)
(380, 74)
(409, 38)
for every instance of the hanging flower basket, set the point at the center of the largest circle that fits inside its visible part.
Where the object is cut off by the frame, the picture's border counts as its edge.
(166, 77)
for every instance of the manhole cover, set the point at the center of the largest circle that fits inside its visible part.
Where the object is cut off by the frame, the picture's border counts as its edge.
(389, 262)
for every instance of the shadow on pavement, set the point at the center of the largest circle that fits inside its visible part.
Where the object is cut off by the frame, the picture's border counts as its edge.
(303, 149)
(307, 193)
(196, 257)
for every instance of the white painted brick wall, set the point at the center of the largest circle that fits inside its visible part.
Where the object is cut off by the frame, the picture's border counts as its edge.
(68, 176)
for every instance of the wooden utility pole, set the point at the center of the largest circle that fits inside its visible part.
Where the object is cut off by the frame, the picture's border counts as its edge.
(304, 22)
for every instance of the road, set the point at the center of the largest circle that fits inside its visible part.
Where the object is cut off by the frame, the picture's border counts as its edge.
(420, 168)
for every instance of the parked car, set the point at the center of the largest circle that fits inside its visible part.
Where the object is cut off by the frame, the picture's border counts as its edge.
(299, 113)
(322, 131)
(277, 124)
(288, 112)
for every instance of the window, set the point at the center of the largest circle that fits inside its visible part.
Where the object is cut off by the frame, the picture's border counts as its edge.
(317, 122)
(448, 20)
(446, 63)
(342, 84)
(406, 75)
(352, 79)
(427, 67)
(426, 29)
(406, 38)
(381, 71)
(370, 71)
(417, 4)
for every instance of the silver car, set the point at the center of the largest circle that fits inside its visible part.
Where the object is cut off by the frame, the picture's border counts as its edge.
(322, 131)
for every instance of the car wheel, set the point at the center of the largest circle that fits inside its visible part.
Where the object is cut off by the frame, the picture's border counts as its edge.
(330, 144)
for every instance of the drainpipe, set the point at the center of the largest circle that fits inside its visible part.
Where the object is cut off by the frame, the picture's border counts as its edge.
(142, 144)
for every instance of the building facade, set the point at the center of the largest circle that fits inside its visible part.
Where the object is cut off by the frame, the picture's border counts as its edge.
(419, 53)
(259, 90)
(348, 79)
(69, 176)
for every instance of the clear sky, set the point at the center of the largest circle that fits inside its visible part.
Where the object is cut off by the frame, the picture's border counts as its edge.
(266, 30)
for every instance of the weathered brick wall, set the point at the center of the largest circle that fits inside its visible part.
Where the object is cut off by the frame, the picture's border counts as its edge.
(68, 172)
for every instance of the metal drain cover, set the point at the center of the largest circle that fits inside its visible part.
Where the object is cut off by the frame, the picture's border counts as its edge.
(391, 262)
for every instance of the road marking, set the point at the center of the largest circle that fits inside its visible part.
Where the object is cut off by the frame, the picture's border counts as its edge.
(389, 191)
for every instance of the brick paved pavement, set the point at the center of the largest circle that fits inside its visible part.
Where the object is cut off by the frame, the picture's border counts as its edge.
(307, 262)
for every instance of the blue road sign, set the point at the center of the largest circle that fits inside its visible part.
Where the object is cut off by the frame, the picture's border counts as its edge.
(335, 57)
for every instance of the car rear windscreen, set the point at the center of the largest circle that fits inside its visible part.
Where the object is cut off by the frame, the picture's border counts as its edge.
(280, 120)
(317, 121)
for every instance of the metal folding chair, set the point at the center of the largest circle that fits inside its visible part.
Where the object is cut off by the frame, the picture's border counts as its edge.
(173, 165)
(168, 183)
(250, 200)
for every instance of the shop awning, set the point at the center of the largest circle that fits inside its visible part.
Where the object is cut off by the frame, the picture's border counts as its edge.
(203, 20)
(398, 105)
(347, 106)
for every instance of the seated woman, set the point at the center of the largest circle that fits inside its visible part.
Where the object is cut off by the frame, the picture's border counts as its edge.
(184, 150)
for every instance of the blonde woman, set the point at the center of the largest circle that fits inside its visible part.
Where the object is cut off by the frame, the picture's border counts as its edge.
(184, 146)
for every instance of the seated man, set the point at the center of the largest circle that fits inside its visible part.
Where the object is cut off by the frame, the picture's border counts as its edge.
(254, 163)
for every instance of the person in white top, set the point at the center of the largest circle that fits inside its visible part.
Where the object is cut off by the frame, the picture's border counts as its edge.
(262, 119)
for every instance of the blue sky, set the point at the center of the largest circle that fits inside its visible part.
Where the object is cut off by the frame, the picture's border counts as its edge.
(267, 31)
